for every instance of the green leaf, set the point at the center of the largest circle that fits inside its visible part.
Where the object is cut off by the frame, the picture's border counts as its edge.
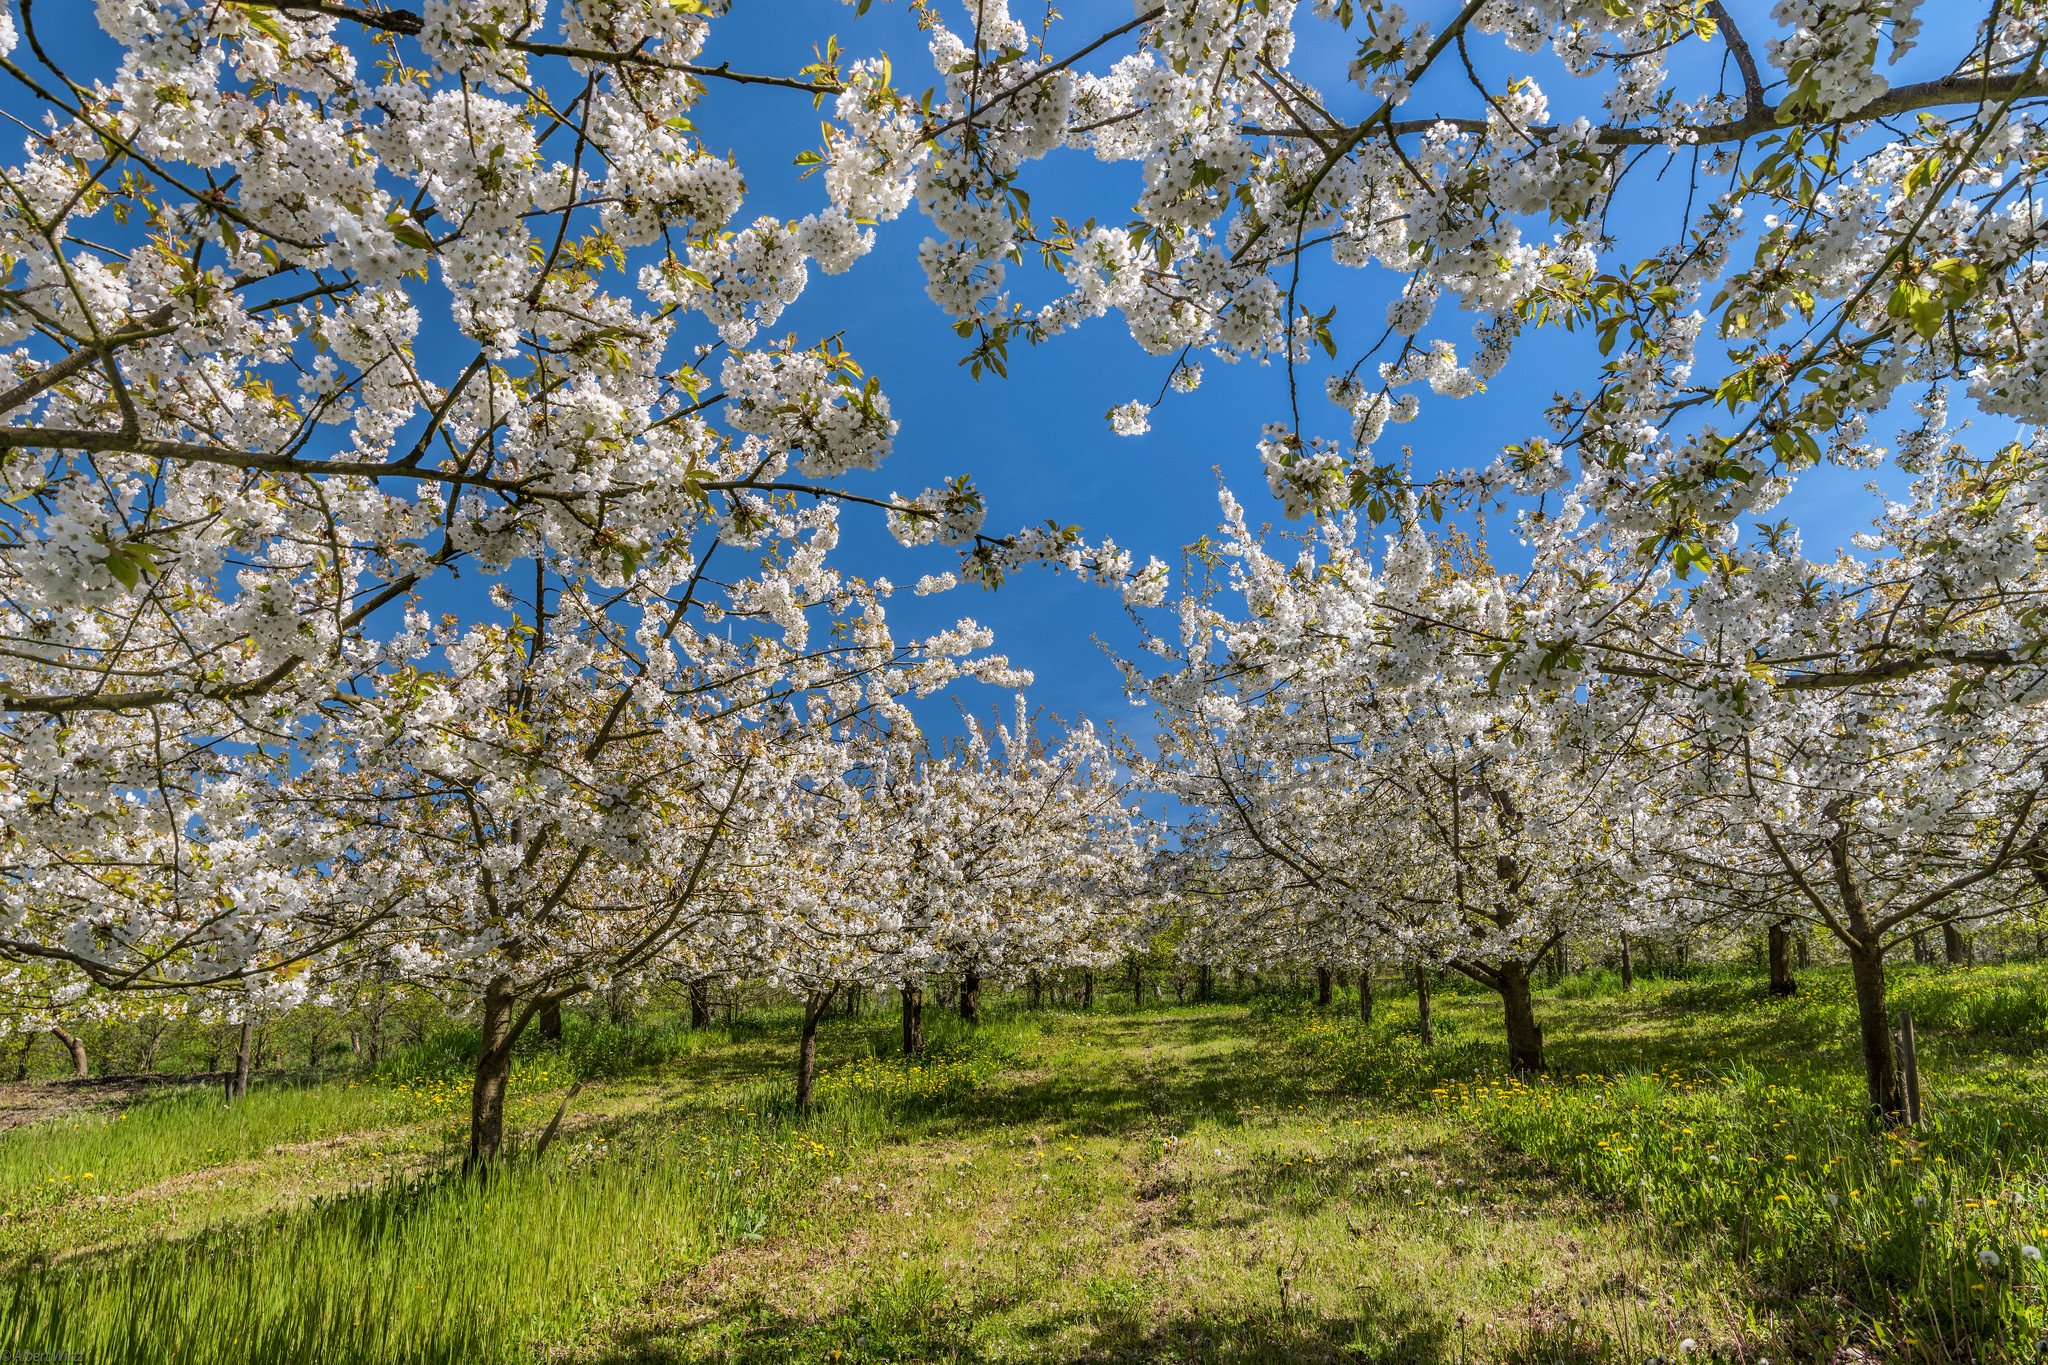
(123, 568)
(1923, 175)
(413, 235)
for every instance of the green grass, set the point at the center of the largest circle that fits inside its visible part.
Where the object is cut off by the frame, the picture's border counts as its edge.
(1719, 1112)
(1221, 1184)
(419, 1263)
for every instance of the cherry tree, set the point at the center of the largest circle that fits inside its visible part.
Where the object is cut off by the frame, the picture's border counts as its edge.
(312, 308)
(1379, 800)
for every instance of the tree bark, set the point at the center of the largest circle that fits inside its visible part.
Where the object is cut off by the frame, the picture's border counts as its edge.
(1037, 990)
(1087, 990)
(970, 997)
(1782, 980)
(244, 1054)
(1867, 967)
(1953, 946)
(1518, 1007)
(1137, 984)
(1422, 1006)
(551, 1021)
(493, 1074)
(1922, 954)
(1205, 984)
(913, 1019)
(700, 1005)
(1325, 978)
(77, 1046)
(807, 1047)
(1365, 997)
(1628, 967)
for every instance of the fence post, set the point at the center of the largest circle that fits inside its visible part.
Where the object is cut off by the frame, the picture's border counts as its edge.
(1909, 1066)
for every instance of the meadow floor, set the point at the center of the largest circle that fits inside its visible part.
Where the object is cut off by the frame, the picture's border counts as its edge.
(1154, 1187)
(1221, 1184)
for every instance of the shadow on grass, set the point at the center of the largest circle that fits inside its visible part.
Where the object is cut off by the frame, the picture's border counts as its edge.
(947, 1330)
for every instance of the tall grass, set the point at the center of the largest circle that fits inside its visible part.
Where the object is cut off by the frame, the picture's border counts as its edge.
(447, 1269)
(442, 1267)
(1934, 1236)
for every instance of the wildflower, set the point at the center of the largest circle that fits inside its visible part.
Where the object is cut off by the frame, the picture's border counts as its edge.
(1987, 1258)
(2030, 1253)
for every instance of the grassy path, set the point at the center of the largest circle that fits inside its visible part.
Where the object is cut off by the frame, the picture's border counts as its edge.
(1151, 1187)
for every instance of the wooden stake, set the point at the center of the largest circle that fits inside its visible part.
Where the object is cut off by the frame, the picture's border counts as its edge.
(1909, 1064)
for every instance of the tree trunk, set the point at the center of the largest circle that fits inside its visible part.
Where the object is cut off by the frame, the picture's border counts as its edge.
(1782, 980)
(1365, 997)
(1422, 1006)
(1037, 990)
(77, 1046)
(1867, 966)
(1562, 956)
(493, 1074)
(1325, 978)
(1803, 952)
(1628, 967)
(551, 1021)
(1205, 984)
(1525, 1039)
(970, 997)
(807, 1047)
(1922, 954)
(1952, 945)
(1087, 990)
(913, 1019)
(244, 1053)
(1137, 984)
(700, 1005)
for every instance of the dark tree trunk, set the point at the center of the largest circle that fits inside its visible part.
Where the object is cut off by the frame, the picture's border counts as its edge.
(807, 1047)
(1782, 980)
(1867, 967)
(1561, 957)
(1037, 990)
(493, 1074)
(1365, 997)
(913, 1019)
(970, 997)
(1137, 984)
(1922, 954)
(244, 1054)
(700, 1005)
(1422, 1006)
(1628, 966)
(1953, 947)
(1205, 984)
(77, 1046)
(1325, 979)
(1525, 1039)
(1087, 990)
(551, 1021)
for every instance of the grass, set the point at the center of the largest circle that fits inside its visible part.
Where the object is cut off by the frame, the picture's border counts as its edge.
(1205, 1183)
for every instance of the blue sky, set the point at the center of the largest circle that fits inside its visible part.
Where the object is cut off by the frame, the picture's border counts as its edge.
(1037, 442)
